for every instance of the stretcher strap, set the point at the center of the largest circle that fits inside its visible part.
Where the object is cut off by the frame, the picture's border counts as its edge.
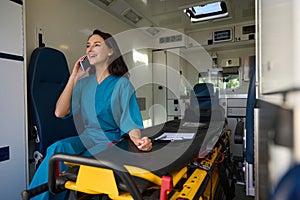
(166, 185)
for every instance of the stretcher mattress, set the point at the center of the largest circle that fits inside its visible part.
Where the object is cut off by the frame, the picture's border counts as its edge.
(165, 156)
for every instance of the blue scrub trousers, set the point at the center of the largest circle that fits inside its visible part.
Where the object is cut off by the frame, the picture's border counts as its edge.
(76, 145)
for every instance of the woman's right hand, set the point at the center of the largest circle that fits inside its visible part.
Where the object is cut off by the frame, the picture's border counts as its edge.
(77, 73)
(63, 103)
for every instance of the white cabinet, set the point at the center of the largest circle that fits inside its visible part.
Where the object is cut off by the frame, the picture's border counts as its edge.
(278, 53)
(159, 75)
(166, 86)
(11, 21)
(278, 41)
(236, 111)
(236, 107)
(13, 135)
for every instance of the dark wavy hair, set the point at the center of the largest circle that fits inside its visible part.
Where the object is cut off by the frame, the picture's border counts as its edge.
(116, 65)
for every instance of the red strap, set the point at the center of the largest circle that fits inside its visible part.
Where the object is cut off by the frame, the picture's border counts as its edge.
(166, 185)
(112, 142)
(222, 158)
(57, 169)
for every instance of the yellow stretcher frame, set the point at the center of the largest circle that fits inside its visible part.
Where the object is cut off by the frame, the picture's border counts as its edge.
(95, 179)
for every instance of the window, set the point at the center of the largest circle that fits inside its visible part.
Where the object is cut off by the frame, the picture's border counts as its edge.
(207, 11)
(231, 81)
(212, 76)
(220, 80)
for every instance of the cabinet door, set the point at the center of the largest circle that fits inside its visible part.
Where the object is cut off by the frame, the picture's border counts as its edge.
(173, 75)
(11, 23)
(12, 135)
(277, 45)
(159, 88)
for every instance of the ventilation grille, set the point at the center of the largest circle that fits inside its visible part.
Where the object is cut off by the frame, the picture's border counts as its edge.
(169, 39)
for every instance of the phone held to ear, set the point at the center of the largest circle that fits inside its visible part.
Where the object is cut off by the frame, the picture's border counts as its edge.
(84, 64)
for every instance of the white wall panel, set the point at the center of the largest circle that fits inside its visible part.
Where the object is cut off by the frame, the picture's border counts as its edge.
(11, 40)
(67, 24)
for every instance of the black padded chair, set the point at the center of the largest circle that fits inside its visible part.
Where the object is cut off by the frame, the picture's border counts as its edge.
(202, 95)
(48, 74)
(202, 103)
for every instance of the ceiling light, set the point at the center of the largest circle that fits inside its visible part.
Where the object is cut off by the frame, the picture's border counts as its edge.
(132, 16)
(152, 30)
(107, 2)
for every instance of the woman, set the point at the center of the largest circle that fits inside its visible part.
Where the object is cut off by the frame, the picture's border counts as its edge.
(105, 102)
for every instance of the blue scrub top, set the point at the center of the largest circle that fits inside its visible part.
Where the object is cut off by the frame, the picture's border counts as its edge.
(107, 110)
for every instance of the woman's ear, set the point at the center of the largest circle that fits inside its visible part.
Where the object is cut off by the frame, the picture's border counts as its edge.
(110, 53)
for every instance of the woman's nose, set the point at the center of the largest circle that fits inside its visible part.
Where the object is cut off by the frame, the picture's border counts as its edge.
(89, 48)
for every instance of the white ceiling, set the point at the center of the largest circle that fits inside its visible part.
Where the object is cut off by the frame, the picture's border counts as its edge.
(169, 13)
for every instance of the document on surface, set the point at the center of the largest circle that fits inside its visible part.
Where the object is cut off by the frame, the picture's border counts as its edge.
(175, 136)
(194, 124)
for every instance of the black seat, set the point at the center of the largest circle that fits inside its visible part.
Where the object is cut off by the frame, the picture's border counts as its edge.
(48, 74)
(202, 103)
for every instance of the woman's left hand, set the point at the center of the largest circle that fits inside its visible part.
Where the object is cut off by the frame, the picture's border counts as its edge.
(144, 144)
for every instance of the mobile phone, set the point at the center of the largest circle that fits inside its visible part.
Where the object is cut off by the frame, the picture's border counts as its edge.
(84, 64)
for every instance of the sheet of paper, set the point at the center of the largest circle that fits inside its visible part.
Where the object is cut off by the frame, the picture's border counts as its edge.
(176, 136)
(193, 124)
